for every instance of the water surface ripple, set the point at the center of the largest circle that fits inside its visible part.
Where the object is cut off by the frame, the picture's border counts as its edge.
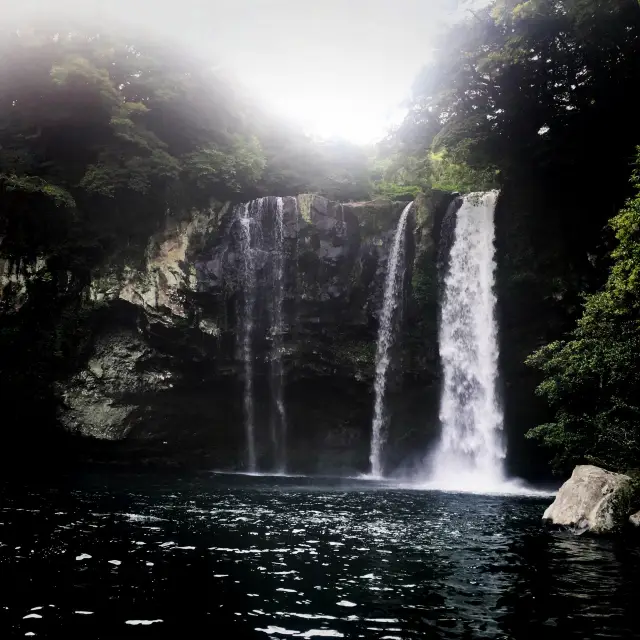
(135, 557)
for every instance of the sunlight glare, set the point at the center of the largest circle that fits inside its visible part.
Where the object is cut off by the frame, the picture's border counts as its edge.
(339, 116)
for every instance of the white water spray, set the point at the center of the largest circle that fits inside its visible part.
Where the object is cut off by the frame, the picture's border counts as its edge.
(471, 453)
(392, 296)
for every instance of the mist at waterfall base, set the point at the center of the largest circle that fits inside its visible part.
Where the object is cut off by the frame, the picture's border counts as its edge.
(170, 555)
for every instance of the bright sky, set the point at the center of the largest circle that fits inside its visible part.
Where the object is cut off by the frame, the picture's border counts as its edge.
(339, 67)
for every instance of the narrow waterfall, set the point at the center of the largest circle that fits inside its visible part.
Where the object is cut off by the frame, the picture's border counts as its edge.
(279, 416)
(248, 237)
(392, 297)
(262, 278)
(470, 453)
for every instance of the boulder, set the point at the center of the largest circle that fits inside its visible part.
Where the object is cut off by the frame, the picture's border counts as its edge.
(634, 519)
(591, 500)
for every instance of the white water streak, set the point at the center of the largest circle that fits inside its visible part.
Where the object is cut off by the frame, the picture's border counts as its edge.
(471, 452)
(279, 430)
(249, 285)
(392, 296)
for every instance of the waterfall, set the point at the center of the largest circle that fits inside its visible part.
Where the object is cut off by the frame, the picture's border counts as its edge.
(249, 282)
(470, 453)
(262, 280)
(279, 416)
(391, 299)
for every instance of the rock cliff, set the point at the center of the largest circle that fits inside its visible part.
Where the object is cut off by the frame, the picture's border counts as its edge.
(163, 374)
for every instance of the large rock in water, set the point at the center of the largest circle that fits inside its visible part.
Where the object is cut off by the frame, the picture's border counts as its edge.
(592, 500)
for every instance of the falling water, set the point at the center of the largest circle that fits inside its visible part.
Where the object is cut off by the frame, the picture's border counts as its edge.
(392, 295)
(279, 417)
(470, 454)
(263, 258)
(246, 331)
(251, 240)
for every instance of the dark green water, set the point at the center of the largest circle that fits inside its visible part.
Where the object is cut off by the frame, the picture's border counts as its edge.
(235, 557)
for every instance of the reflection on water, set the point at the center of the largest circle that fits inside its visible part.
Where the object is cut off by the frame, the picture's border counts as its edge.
(131, 557)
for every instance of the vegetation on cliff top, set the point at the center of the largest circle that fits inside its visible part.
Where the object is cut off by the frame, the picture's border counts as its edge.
(525, 86)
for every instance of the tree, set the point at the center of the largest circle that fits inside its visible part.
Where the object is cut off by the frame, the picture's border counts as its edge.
(592, 379)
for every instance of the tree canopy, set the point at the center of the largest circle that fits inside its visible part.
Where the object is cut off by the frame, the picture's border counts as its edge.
(525, 87)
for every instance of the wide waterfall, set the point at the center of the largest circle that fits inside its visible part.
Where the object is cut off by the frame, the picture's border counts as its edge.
(391, 299)
(262, 277)
(471, 452)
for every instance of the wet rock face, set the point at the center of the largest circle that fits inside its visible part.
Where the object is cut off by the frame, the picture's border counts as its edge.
(165, 365)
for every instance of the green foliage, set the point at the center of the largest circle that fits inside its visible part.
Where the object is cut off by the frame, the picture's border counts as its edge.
(522, 86)
(399, 174)
(119, 132)
(297, 164)
(394, 191)
(395, 173)
(592, 379)
(449, 175)
(75, 73)
(31, 185)
(209, 168)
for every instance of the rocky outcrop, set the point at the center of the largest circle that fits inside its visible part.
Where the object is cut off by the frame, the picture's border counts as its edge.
(100, 400)
(163, 367)
(159, 285)
(592, 500)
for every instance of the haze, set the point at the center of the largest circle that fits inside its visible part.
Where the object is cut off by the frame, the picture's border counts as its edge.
(340, 68)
